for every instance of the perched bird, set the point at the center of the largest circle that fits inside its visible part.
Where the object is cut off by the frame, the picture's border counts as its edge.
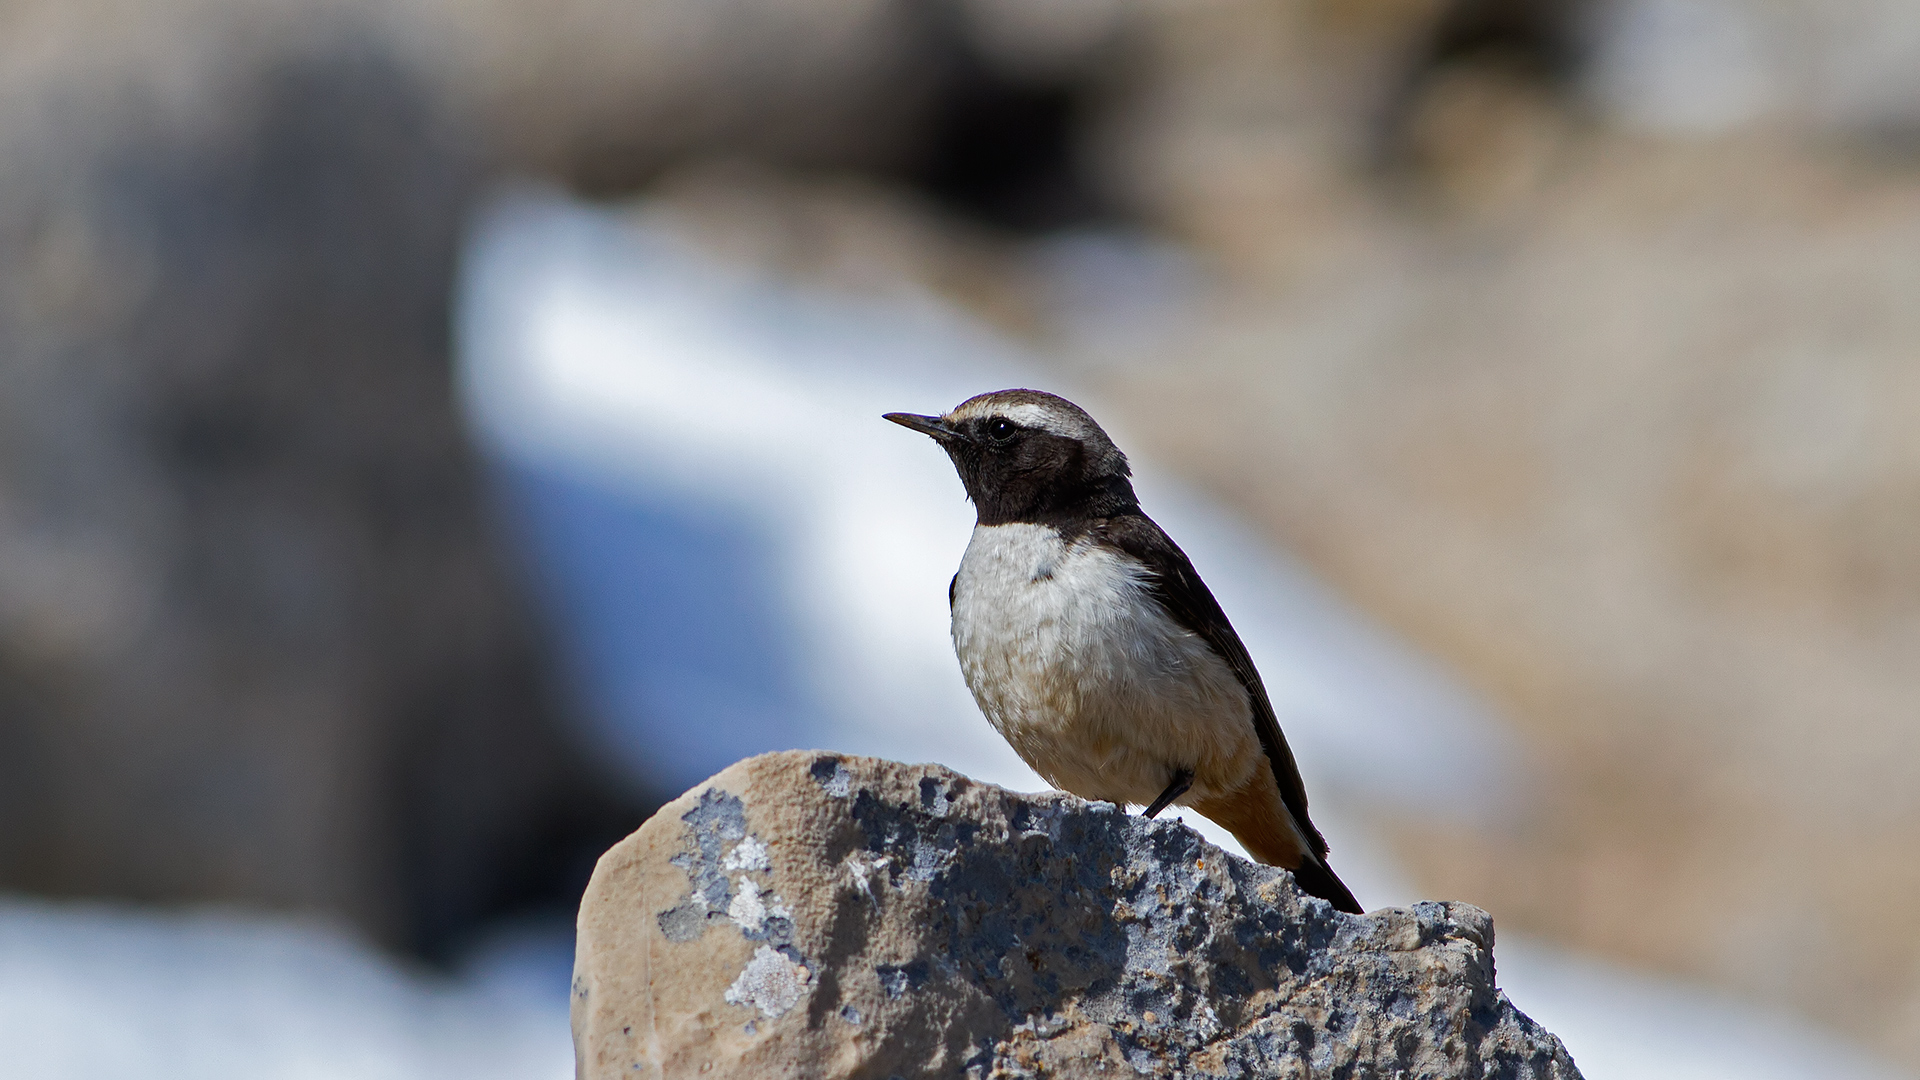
(1094, 648)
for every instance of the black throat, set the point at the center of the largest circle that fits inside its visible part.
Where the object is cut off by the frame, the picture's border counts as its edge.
(1051, 482)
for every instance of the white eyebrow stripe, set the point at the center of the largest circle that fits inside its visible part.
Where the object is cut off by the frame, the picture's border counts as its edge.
(1026, 414)
(1034, 416)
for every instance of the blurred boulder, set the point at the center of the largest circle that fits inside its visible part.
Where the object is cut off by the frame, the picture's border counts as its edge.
(978, 101)
(606, 93)
(257, 642)
(858, 917)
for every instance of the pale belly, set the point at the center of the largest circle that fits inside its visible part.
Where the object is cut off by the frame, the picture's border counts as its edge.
(1092, 683)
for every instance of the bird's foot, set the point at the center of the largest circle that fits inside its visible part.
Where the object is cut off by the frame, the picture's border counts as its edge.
(1182, 780)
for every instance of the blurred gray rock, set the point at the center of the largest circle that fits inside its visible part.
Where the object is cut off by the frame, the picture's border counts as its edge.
(256, 641)
(813, 914)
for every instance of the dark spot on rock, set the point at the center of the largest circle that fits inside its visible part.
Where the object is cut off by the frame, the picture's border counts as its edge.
(716, 821)
(831, 773)
(718, 815)
(896, 980)
(683, 923)
(933, 796)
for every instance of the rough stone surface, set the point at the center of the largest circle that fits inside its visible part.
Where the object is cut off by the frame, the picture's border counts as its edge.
(812, 914)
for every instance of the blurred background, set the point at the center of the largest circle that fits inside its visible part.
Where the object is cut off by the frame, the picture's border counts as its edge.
(392, 395)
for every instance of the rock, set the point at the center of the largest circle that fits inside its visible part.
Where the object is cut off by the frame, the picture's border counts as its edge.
(258, 641)
(807, 913)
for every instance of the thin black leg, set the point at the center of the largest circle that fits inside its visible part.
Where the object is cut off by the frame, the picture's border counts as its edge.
(1182, 780)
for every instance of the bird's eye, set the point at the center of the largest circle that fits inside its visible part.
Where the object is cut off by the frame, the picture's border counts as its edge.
(1000, 429)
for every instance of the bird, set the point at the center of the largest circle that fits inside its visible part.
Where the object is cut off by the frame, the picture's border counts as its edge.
(1093, 647)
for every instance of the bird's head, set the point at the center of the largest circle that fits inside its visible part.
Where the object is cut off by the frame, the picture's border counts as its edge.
(1025, 455)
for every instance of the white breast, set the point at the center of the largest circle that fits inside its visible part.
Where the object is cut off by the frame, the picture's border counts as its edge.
(1094, 684)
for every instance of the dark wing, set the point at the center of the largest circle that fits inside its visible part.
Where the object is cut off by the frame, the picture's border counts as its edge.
(1180, 590)
(952, 587)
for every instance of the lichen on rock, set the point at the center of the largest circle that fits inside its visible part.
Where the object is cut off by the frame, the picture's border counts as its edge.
(814, 914)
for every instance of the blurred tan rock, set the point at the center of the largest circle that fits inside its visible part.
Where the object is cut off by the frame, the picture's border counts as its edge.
(607, 92)
(806, 913)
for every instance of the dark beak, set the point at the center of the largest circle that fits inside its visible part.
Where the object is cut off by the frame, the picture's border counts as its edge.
(926, 425)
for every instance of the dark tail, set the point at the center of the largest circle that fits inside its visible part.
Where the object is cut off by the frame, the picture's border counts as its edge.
(1319, 880)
